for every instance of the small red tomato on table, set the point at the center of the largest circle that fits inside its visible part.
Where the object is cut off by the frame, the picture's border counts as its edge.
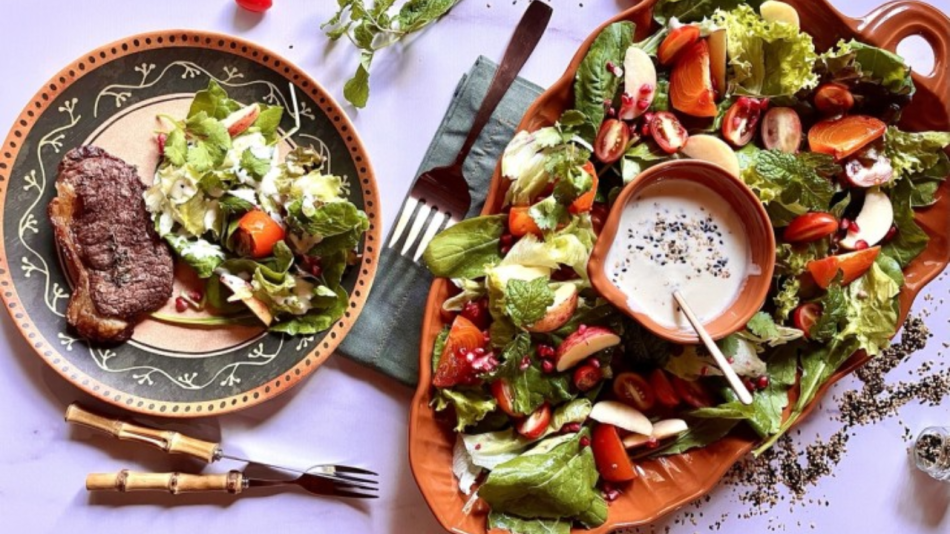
(257, 6)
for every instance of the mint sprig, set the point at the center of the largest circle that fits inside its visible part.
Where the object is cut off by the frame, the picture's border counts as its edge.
(374, 27)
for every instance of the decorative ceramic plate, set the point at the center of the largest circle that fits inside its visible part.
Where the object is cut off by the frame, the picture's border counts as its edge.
(668, 483)
(110, 98)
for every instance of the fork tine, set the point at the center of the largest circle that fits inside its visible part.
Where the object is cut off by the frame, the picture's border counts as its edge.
(354, 495)
(349, 469)
(354, 487)
(431, 230)
(354, 478)
(417, 224)
(404, 217)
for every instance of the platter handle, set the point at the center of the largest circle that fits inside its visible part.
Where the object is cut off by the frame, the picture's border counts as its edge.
(891, 23)
(166, 440)
(174, 483)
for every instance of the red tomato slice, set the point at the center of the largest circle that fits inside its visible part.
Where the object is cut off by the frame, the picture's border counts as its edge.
(810, 227)
(611, 141)
(633, 389)
(504, 396)
(521, 223)
(611, 458)
(668, 132)
(536, 423)
(805, 317)
(693, 393)
(585, 202)
(663, 388)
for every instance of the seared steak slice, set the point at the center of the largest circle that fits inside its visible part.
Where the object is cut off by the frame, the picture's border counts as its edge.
(119, 266)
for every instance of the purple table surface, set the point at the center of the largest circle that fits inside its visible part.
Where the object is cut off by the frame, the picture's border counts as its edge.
(328, 418)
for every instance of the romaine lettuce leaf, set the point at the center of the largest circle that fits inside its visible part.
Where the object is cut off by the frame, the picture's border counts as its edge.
(852, 61)
(558, 484)
(524, 163)
(518, 525)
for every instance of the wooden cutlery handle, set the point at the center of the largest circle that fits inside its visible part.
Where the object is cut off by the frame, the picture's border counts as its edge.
(174, 483)
(167, 440)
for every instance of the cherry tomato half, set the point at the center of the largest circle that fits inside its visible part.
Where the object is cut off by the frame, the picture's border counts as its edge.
(693, 393)
(634, 390)
(663, 388)
(257, 6)
(668, 132)
(805, 317)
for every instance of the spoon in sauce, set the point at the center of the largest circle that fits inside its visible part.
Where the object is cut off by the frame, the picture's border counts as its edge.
(744, 396)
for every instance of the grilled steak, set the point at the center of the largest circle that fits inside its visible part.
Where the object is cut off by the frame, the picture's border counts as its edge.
(120, 267)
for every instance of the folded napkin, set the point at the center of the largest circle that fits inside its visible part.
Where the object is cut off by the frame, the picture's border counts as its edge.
(386, 336)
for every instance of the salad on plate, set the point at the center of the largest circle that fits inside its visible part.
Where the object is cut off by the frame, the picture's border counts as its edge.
(270, 231)
(555, 396)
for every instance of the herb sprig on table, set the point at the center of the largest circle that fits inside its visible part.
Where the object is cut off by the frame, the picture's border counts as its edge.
(374, 25)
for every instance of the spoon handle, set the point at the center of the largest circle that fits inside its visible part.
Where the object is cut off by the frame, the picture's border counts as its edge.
(525, 39)
(744, 396)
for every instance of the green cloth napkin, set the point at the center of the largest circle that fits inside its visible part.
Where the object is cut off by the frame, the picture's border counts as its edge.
(386, 336)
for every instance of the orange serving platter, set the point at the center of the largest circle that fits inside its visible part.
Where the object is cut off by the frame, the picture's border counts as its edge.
(666, 484)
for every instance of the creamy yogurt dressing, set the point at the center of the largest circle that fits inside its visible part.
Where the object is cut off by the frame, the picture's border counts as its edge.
(677, 234)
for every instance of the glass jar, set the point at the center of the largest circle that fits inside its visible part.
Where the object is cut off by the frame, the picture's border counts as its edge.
(932, 452)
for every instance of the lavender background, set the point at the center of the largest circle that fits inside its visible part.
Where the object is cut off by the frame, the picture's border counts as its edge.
(345, 413)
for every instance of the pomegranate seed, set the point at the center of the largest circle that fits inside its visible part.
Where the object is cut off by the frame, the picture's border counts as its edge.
(891, 233)
(731, 360)
(505, 250)
(643, 104)
(571, 427)
(195, 295)
(703, 371)
(181, 305)
(611, 112)
(585, 441)
(461, 351)
(507, 240)
(646, 89)
(161, 142)
(854, 227)
(634, 133)
(594, 362)
(745, 102)
(763, 382)
(525, 363)
(478, 446)
(479, 351)
(652, 443)
(610, 65)
(611, 496)
(582, 328)
(845, 224)
(470, 357)
(486, 336)
(861, 245)
(647, 120)
(748, 384)
(547, 366)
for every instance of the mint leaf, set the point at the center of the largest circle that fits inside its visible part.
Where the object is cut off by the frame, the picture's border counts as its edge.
(527, 302)
(834, 309)
(729, 345)
(416, 14)
(465, 249)
(802, 178)
(176, 148)
(212, 142)
(356, 89)
(255, 166)
(762, 326)
(530, 387)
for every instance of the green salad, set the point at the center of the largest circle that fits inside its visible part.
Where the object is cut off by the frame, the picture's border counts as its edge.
(555, 396)
(271, 234)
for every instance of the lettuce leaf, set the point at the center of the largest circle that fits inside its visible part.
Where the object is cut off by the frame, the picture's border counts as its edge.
(471, 405)
(517, 525)
(791, 184)
(910, 239)
(914, 152)
(561, 483)
(767, 58)
(852, 62)
(201, 255)
(693, 10)
(316, 320)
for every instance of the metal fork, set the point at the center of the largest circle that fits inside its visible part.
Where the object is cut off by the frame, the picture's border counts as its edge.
(440, 195)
